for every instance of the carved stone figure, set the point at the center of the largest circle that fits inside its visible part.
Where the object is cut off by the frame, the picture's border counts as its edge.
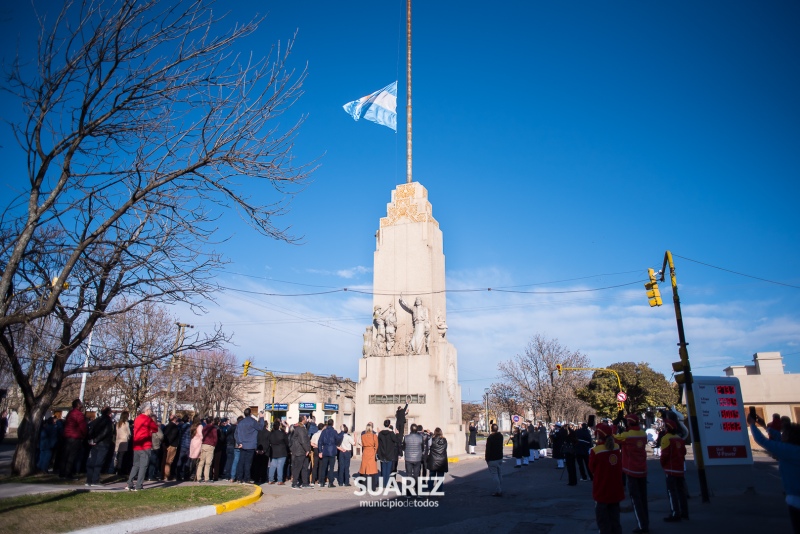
(380, 329)
(419, 316)
(441, 325)
(367, 349)
(390, 319)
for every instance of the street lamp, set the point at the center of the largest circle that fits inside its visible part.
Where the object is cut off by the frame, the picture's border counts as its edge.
(486, 419)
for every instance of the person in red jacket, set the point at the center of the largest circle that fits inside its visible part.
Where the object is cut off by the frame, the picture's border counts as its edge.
(605, 463)
(673, 454)
(634, 464)
(75, 431)
(143, 428)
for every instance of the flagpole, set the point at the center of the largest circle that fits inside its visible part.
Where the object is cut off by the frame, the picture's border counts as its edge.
(408, 91)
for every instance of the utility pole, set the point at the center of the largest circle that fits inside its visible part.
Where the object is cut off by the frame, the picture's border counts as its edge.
(176, 362)
(85, 365)
(683, 370)
(486, 399)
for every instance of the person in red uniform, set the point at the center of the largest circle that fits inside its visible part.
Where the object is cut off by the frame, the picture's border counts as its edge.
(143, 428)
(634, 464)
(673, 454)
(75, 430)
(605, 463)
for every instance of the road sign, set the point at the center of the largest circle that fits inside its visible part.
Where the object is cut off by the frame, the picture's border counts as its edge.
(621, 396)
(516, 418)
(722, 422)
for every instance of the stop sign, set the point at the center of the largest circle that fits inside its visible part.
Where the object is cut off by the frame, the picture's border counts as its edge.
(621, 396)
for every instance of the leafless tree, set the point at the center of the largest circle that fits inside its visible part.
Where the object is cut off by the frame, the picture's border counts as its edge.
(143, 127)
(533, 378)
(210, 381)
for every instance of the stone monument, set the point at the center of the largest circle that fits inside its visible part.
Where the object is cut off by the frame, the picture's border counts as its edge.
(406, 354)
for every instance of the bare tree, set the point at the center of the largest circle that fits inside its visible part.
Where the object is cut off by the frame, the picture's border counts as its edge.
(142, 128)
(533, 378)
(210, 381)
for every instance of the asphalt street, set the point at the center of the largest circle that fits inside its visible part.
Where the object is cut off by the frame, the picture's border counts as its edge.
(536, 500)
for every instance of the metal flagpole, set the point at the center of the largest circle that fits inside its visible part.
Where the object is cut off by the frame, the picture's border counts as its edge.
(408, 91)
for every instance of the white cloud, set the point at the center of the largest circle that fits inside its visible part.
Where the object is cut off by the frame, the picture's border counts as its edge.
(323, 334)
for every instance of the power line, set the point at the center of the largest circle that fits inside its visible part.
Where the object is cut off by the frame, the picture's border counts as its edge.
(736, 272)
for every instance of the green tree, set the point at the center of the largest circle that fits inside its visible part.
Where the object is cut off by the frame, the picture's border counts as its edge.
(644, 387)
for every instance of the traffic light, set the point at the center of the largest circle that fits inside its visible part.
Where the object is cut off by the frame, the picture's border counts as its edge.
(246, 367)
(653, 294)
(559, 368)
(680, 376)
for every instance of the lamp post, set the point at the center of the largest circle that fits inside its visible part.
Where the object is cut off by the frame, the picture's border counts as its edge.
(486, 419)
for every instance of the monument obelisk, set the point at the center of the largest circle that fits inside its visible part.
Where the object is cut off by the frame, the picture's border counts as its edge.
(407, 357)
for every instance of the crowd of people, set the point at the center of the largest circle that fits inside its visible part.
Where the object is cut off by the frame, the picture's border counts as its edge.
(198, 449)
(612, 455)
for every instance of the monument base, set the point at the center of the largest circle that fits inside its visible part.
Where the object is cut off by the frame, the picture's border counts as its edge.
(428, 382)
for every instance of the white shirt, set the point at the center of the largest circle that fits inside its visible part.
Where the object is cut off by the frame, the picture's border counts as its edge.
(347, 442)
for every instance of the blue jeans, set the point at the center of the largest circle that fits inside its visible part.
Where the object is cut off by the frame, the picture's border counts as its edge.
(386, 472)
(235, 464)
(230, 468)
(45, 455)
(344, 468)
(276, 465)
(244, 465)
(155, 464)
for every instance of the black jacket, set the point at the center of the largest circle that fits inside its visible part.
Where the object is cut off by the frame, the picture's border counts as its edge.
(388, 443)
(279, 444)
(172, 435)
(102, 431)
(300, 445)
(262, 441)
(437, 456)
(494, 447)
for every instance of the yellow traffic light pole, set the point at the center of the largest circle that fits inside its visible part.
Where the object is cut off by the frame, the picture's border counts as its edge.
(687, 374)
(267, 374)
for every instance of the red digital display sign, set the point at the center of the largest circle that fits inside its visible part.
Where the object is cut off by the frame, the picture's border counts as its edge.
(726, 390)
(732, 427)
(727, 401)
(729, 414)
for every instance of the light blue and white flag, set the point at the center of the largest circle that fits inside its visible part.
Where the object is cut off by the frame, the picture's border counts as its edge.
(380, 107)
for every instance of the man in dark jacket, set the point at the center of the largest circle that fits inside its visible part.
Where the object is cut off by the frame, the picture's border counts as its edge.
(100, 439)
(582, 448)
(413, 449)
(172, 440)
(260, 460)
(247, 438)
(300, 446)
(327, 454)
(75, 431)
(230, 452)
(387, 450)
(400, 416)
(494, 459)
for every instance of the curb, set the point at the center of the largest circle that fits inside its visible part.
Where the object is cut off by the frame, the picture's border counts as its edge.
(230, 506)
(173, 518)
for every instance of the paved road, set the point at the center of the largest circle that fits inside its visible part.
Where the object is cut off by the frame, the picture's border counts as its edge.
(536, 500)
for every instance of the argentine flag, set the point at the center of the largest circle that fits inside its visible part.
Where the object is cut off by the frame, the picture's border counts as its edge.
(380, 107)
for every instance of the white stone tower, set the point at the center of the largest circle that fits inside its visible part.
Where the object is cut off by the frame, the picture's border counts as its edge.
(406, 354)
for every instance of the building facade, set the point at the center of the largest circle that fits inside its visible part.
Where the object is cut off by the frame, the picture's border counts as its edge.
(286, 397)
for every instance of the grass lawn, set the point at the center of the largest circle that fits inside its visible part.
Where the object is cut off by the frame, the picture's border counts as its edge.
(72, 510)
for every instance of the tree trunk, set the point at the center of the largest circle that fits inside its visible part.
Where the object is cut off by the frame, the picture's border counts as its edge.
(24, 462)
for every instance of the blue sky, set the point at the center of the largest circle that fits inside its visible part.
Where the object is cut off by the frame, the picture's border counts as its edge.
(565, 144)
